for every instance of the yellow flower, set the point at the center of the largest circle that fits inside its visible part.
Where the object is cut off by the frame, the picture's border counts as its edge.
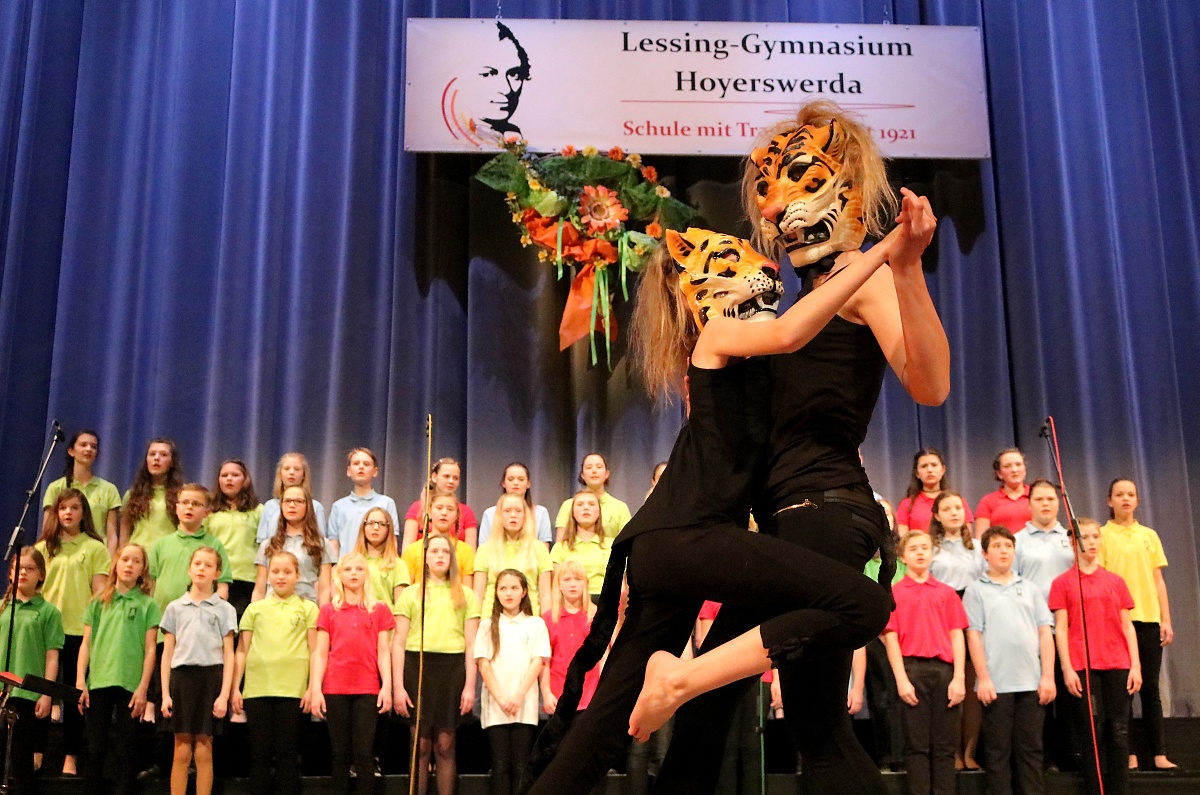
(510, 196)
(534, 184)
(589, 151)
(525, 240)
(662, 191)
(634, 160)
(516, 217)
(543, 255)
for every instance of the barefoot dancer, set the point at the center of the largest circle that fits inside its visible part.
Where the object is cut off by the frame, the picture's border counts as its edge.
(817, 187)
(689, 542)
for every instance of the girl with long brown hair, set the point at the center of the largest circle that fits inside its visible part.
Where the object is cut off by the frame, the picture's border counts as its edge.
(297, 532)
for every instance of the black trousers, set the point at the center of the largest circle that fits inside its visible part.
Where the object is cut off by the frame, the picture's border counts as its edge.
(510, 744)
(836, 539)
(28, 736)
(884, 703)
(275, 724)
(930, 728)
(72, 720)
(351, 721)
(1012, 744)
(1150, 653)
(804, 603)
(109, 724)
(1110, 706)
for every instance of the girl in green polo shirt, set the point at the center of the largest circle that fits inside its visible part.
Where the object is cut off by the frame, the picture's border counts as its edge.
(37, 642)
(148, 512)
(116, 661)
(77, 568)
(584, 540)
(102, 496)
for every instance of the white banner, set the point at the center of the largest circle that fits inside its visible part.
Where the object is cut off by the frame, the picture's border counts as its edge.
(687, 87)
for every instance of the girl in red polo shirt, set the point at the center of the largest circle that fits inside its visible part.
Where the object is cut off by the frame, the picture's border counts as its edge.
(1009, 504)
(568, 619)
(928, 480)
(925, 645)
(351, 678)
(1115, 669)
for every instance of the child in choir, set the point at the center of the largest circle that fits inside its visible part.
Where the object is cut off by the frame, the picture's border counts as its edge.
(292, 470)
(517, 480)
(234, 521)
(197, 670)
(1044, 548)
(346, 515)
(1134, 553)
(443, 481)
(568, 621)
(37, 640)
(451, 622)
(148, 510)
(925, 646)
(1012, 649)
(102, 496)
(958, 561)
(513, 544)
(170, 559)
(1115, 669)
(443, 520)
(376, 542)
(928, 480)
(351, 680)
(594, 476)
(584, 540)
(1009, 504)
(77, 566)
(115, 665)
(511, 649)
(296, 531)
(278, 638)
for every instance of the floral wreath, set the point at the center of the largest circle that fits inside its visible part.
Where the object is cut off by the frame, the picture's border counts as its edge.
(592, 212)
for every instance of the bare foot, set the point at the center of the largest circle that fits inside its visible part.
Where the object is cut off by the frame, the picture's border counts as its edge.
(1162, 763)
(971, 764)
(1133, 763)
(662, 694)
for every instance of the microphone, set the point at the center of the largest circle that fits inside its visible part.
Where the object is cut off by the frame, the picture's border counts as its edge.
(58, 432)
(1044, 431)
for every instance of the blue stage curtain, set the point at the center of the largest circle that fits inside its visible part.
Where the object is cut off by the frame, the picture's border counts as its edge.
(211, 232)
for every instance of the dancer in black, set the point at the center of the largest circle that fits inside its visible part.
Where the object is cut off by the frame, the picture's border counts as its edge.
(805, 188)
(689, 543)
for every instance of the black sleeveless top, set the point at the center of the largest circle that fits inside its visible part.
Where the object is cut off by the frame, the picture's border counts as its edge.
(716, 463)
(822, 399)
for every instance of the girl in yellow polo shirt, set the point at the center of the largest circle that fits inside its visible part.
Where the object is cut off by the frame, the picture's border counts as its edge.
(148, 511)
(234, 521)
(77, 566)
(584, 540)
(377, 543)
(513, 544)
(448, 639)
(1134, 551)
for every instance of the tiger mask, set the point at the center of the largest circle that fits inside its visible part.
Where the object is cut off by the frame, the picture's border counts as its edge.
(723, 276)
(806, 195)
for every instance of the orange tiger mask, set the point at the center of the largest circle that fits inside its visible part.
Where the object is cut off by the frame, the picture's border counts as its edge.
(806, 195)
(724, 276)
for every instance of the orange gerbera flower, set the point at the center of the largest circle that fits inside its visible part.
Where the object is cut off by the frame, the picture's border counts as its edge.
(568, 151)
(616, 153)
(654, 229)
(600, 209)
(650, 173)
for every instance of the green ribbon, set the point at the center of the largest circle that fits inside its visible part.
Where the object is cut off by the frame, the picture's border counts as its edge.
(592, 323)
(558, 249)
(622, 258)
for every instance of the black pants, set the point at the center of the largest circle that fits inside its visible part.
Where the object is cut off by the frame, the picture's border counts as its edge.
(1012, 744)
(804, 603)
(29, 735)
(887, 731)
(275, 724)
(72, 720)
(1150, 653)
(1110, 705)
(930, 728)
(645, 760)
(240, 594)
(109, 724)
(742, 766)
(351, 721)
(837, 539)
(1058, 739)
(510, 744)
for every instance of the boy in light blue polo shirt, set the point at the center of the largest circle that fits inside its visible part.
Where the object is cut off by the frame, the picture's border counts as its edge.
(1012, 650)
(346, 515)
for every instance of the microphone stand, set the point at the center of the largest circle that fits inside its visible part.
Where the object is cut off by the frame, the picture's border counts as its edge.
(12, 556)
(1050, 433)
(425, 526)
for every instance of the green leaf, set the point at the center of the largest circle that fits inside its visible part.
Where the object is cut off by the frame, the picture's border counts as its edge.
(506, 173)
(546, 202)
(674, 214)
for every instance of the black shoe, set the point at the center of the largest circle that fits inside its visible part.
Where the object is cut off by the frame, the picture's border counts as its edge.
(152, 773)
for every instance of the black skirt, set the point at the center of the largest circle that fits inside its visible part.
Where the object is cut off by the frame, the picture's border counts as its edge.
(445, 678)
(194, 689)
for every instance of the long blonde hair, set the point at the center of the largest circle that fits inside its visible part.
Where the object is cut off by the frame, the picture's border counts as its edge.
(664, 331)
(571, 531)
(862, 164)
(492, 550)
(390, 556)
(339, 590)
(453, 575)
(305, 484)
(556, 596)
(144, 581)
